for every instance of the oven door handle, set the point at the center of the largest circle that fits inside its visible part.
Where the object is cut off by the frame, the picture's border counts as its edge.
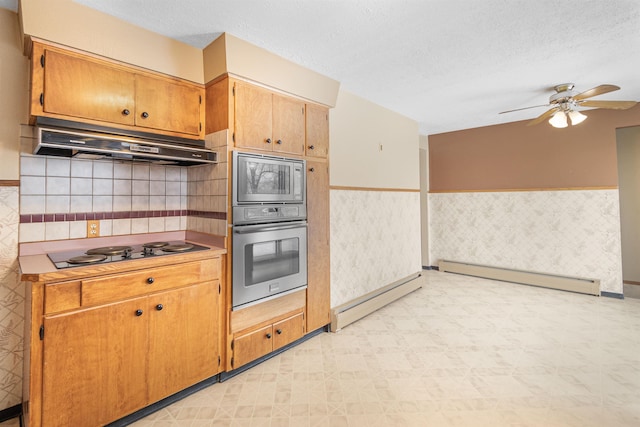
(259, 228)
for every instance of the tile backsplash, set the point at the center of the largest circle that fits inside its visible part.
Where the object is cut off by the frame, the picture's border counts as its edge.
(59, 195)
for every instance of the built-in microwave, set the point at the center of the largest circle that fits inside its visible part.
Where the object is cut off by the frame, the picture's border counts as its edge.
(260, 179)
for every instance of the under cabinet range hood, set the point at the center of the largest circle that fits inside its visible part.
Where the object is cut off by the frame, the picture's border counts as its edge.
(77, 140)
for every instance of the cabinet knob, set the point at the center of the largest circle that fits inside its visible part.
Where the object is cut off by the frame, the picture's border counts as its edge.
(159, 307)
(126, 112)
(150, 280)
(312, 169)
(279, 141)
(311, 147)
(279, 331)
(144, 114)
(268, 140)
(268, 336)
(139, 312)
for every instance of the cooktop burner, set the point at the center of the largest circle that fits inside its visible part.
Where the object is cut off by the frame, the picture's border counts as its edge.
(110, 254)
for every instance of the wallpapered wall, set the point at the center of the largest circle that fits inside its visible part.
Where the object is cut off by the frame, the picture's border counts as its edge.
(11, 302)
(570, 233)
(375, 240)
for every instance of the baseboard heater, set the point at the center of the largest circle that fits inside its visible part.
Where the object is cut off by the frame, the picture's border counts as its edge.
(360, 307)
(565, 283)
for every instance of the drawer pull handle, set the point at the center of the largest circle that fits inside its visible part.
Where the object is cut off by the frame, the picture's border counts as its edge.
(279, 142)
(139, 312)
(268, 140)
(144, 115)
(279, 331)
(159, 307)
(311, 147)
(268, 336)
(126, 112)
(312, 170)
(150, 280)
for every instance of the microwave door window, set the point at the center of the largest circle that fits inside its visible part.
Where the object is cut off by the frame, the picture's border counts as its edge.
(266, 178)
(271, 260)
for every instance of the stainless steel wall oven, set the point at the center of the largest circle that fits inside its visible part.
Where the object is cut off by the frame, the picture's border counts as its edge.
(269, 245)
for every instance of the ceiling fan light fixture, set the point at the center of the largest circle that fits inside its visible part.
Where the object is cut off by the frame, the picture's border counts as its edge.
(558, 120)
(576, 117)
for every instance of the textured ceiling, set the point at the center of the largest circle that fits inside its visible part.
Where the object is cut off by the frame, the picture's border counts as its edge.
(449, 65)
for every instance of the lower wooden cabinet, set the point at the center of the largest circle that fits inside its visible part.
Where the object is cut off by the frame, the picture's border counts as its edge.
(251, 345)
(91, 365)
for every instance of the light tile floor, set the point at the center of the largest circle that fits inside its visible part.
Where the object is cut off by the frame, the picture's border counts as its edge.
(461, 351)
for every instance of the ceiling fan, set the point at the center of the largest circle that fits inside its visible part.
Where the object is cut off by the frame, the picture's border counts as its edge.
(565, 101)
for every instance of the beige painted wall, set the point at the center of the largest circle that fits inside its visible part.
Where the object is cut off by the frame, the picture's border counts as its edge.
(372, 147)
(629, 186)
(424, 199)
(75, 25)
(240, 58)
(15, 94)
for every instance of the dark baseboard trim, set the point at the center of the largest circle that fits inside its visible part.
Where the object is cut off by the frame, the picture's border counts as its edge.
(611, 295)
(230, 374)
(148, 410)
(12, 412)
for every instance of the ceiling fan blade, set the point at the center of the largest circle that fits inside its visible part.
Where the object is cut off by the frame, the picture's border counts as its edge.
(542, 117)
(525, 108)
(615, 105)
(598, 90)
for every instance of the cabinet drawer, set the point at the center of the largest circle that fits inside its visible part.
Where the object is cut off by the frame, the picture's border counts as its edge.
(61, 297)
(252, 346)
(121, 286)
(287, 331)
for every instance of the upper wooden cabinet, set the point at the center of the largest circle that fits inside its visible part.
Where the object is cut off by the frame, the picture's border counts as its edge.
(72, 86)
(258, 118)
(317, 131)
(268, 121)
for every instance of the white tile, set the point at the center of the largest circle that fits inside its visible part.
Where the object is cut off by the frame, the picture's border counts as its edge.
(173, 203)
(32, 185)
(139, 225)
(30, 165)
(103, 169)
(122, 170)
(57, 204)
(106, 226)
(82, 204)
(173, 173)
(121, 203)
(58, 185)
(121, 187)
(140, 171)
(157, 188)
(184, 188)
(81, 186)
(157, 203)
(183, 174)
(140, 203)
(158, 173)
(140, 188)
(173, 188)
(121, 227)
(58, 167)
(81, 168)
(77, 229)
(56, 230)
(33, 232)
(171, 223)
(102, 204)
(32, 204)
(102, 187)
(157, 224)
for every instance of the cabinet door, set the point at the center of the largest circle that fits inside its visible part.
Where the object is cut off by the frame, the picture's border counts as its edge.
(82, 88)
(253, 117)
(317, 131)
(94, 364)
(183, 341)
(252, 346)
(288, 125)
(288, 330)
(318, 280)
(167, 105)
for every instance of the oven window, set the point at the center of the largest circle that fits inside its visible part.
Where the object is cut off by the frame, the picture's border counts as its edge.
(271, 260)
(267, 178)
